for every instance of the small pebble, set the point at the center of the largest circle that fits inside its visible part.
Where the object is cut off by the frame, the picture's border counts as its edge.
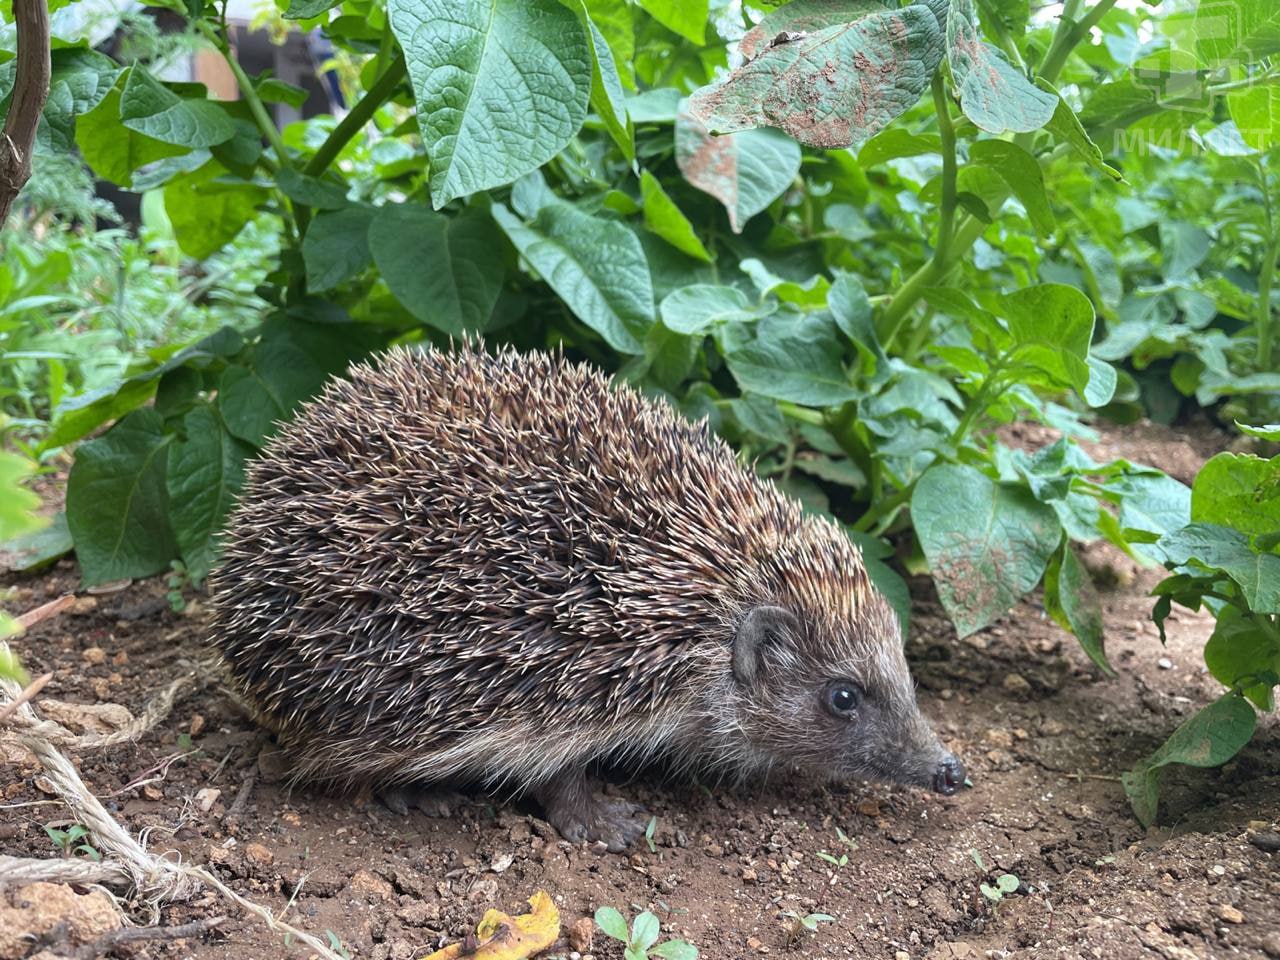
(94, 656)
(1229, 914)
(1164, 663)
(1016, 683)
(1271, 945)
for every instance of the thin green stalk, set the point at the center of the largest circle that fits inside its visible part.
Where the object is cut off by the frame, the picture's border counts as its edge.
(260, 115)
(1069, 34)
(1266, 277)
(354, 121)
(947, 131)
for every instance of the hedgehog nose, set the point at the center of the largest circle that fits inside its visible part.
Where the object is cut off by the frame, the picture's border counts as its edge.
(949, 777)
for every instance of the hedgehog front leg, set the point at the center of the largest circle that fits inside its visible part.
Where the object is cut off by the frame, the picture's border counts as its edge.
(579, 814)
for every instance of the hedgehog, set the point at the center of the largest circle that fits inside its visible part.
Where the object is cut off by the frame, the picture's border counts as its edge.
(501, 569)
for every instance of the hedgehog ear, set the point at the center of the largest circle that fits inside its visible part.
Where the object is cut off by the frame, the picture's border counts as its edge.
(761, 627)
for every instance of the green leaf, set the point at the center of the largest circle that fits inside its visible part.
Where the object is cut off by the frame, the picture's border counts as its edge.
(18, 504)
(612, 923)
(987, 544)
(56, 130)
(804, 16)
(675, 950)
(289, 364)
(837, 86)
(117, 507)
(883, 577)
(596, 266)
(153, 110)
(501, 86)
(608, 99)
(1072, 600)
(89, 75)
(1236, 32)
(994, 94)
(271, 90)
(1021, 172)
(207, 214)
(794, 357)
(446, 271)
(1067, 128)
(1216, 547)
(312, 191)
(306, 9)
(1256, 112)
(896, 142)
(1152, 504)
(663, 217)
(204, 477)
(685, 17)
(1184, 246)
(614, 20)
(645, 931)
(1102, 383)
(36, 550)
(745, 171)
(1052, 327)
(1238, 490)
(113, 152)
(1270, 431)
(1242, 649)
(336, 246)
(851, 307)
(696, 309)
(1209, 738)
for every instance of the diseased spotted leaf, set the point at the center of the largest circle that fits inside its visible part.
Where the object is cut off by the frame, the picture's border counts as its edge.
(987, 543)
(837, 86)
(994, 94)
(745, 171)
(803, 16)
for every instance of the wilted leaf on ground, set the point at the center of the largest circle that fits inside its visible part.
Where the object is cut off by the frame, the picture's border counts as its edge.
(837, 86)
(504, 937)
(745, 171)
(1206, 739)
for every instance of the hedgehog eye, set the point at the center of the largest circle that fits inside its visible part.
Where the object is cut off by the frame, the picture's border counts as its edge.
(842, 697)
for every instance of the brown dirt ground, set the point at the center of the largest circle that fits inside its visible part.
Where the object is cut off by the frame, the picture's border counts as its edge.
(1043, 732)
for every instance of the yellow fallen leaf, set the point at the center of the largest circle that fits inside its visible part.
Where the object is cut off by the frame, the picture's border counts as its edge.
(501, 937)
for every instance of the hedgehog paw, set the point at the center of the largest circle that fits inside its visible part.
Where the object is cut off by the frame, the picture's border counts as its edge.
(580, 815)
(401, 798)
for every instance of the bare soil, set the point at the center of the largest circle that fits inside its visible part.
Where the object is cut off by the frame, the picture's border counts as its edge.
(1043, 733)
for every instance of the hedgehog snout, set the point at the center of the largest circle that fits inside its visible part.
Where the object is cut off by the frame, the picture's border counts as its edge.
(949, 777)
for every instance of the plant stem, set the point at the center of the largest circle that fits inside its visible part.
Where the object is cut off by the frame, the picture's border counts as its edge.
(1266, 276)
(899, 308)
(1069, 34)
(354, 121)
(260, 115)
(947, 221)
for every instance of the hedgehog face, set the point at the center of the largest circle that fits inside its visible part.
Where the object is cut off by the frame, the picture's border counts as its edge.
(842, 707)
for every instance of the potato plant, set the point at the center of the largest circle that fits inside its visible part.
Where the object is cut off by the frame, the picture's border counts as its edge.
(857, 237)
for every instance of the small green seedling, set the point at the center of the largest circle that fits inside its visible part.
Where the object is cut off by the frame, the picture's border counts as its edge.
(798, 925)
(843, 859)
(67, 841)
(336, 946)
(1006, 883)
(640, 939)
(648, 834)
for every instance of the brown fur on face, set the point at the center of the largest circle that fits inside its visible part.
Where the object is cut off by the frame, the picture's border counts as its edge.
(501, 568)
